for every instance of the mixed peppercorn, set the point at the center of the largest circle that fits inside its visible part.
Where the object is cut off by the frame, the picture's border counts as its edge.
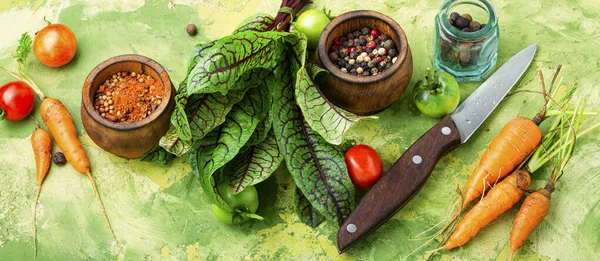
(465, 22)
(364, 52)
(128, 97)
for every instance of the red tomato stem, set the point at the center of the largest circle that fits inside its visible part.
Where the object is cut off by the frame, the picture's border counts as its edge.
(23, 76)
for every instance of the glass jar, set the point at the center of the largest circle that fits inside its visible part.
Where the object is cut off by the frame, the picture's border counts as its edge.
(468, 56)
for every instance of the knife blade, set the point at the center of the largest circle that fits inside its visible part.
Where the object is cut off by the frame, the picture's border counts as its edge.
(405, 178)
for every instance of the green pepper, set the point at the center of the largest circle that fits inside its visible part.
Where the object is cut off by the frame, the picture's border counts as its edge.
(437, 95)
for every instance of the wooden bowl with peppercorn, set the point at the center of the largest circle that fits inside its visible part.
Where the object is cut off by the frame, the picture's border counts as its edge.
(127, 104)
(369, 61)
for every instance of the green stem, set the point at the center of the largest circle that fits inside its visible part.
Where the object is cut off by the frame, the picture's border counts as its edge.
(251, 215)
(2, 114)
(556, 113)
(25, 78)
(542, 156)
(567, 150)
(589, 129)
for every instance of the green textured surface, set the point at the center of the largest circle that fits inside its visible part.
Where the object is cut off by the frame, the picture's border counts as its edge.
(159, 213)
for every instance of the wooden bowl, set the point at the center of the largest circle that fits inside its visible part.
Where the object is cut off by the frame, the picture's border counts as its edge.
(127, 140)
(369, 94)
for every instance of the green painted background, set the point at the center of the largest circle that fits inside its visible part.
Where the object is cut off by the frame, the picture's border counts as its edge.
(159, 213)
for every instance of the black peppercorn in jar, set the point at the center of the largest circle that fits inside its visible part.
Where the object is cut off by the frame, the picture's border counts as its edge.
(466, 38)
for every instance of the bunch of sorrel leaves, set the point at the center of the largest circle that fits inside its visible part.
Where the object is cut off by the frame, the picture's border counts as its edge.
(250, 102)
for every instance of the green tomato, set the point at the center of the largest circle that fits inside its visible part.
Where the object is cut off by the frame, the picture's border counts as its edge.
(311, 23)
(437, 95)
(243, 205)
(224, 215)
(246, 200)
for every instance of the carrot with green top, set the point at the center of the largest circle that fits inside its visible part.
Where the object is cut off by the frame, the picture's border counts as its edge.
(537, 205)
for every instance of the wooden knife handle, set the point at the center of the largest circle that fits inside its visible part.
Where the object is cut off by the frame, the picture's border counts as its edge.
(402, 181)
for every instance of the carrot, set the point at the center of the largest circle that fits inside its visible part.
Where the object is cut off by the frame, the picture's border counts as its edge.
(509, 148)
(59, 122)
(498, 200)
(535, 207)
(42, 145)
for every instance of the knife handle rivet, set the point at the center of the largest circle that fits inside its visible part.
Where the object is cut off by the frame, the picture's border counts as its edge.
(417, 159)
(351, 228)
(446, 131)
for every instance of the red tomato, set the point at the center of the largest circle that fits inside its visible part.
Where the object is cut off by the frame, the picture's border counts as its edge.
(55, 45)
(16, 100)
(364, 165)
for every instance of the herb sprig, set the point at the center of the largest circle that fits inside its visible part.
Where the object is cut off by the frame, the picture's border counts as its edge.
(23, 51)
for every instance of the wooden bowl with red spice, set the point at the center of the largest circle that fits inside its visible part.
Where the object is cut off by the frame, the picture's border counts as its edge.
(126, 105)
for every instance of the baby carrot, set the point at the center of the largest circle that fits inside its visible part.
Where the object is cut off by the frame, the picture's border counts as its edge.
(498, 200)
(535, 207)
(42, 145)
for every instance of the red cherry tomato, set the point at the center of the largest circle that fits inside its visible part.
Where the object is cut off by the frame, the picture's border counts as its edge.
(55, 45)
(16, 100)
(364, 165)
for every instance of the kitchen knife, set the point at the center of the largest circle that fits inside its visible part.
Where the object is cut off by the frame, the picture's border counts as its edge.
(404, 179)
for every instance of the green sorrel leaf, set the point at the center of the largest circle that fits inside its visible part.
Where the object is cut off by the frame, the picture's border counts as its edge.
(158, 155)
(297, 43)
(318, 168)
(262, 130)
(254, 165)
(224, 63)
(321, 115)
(258, 22)
(204, 112)
(179, 117)
(173, 144)
(208, 184)
(307, 213)
(207, 111)
(224, 142)
(328, 120)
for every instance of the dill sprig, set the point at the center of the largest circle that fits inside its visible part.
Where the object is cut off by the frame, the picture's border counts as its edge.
(23, 51)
